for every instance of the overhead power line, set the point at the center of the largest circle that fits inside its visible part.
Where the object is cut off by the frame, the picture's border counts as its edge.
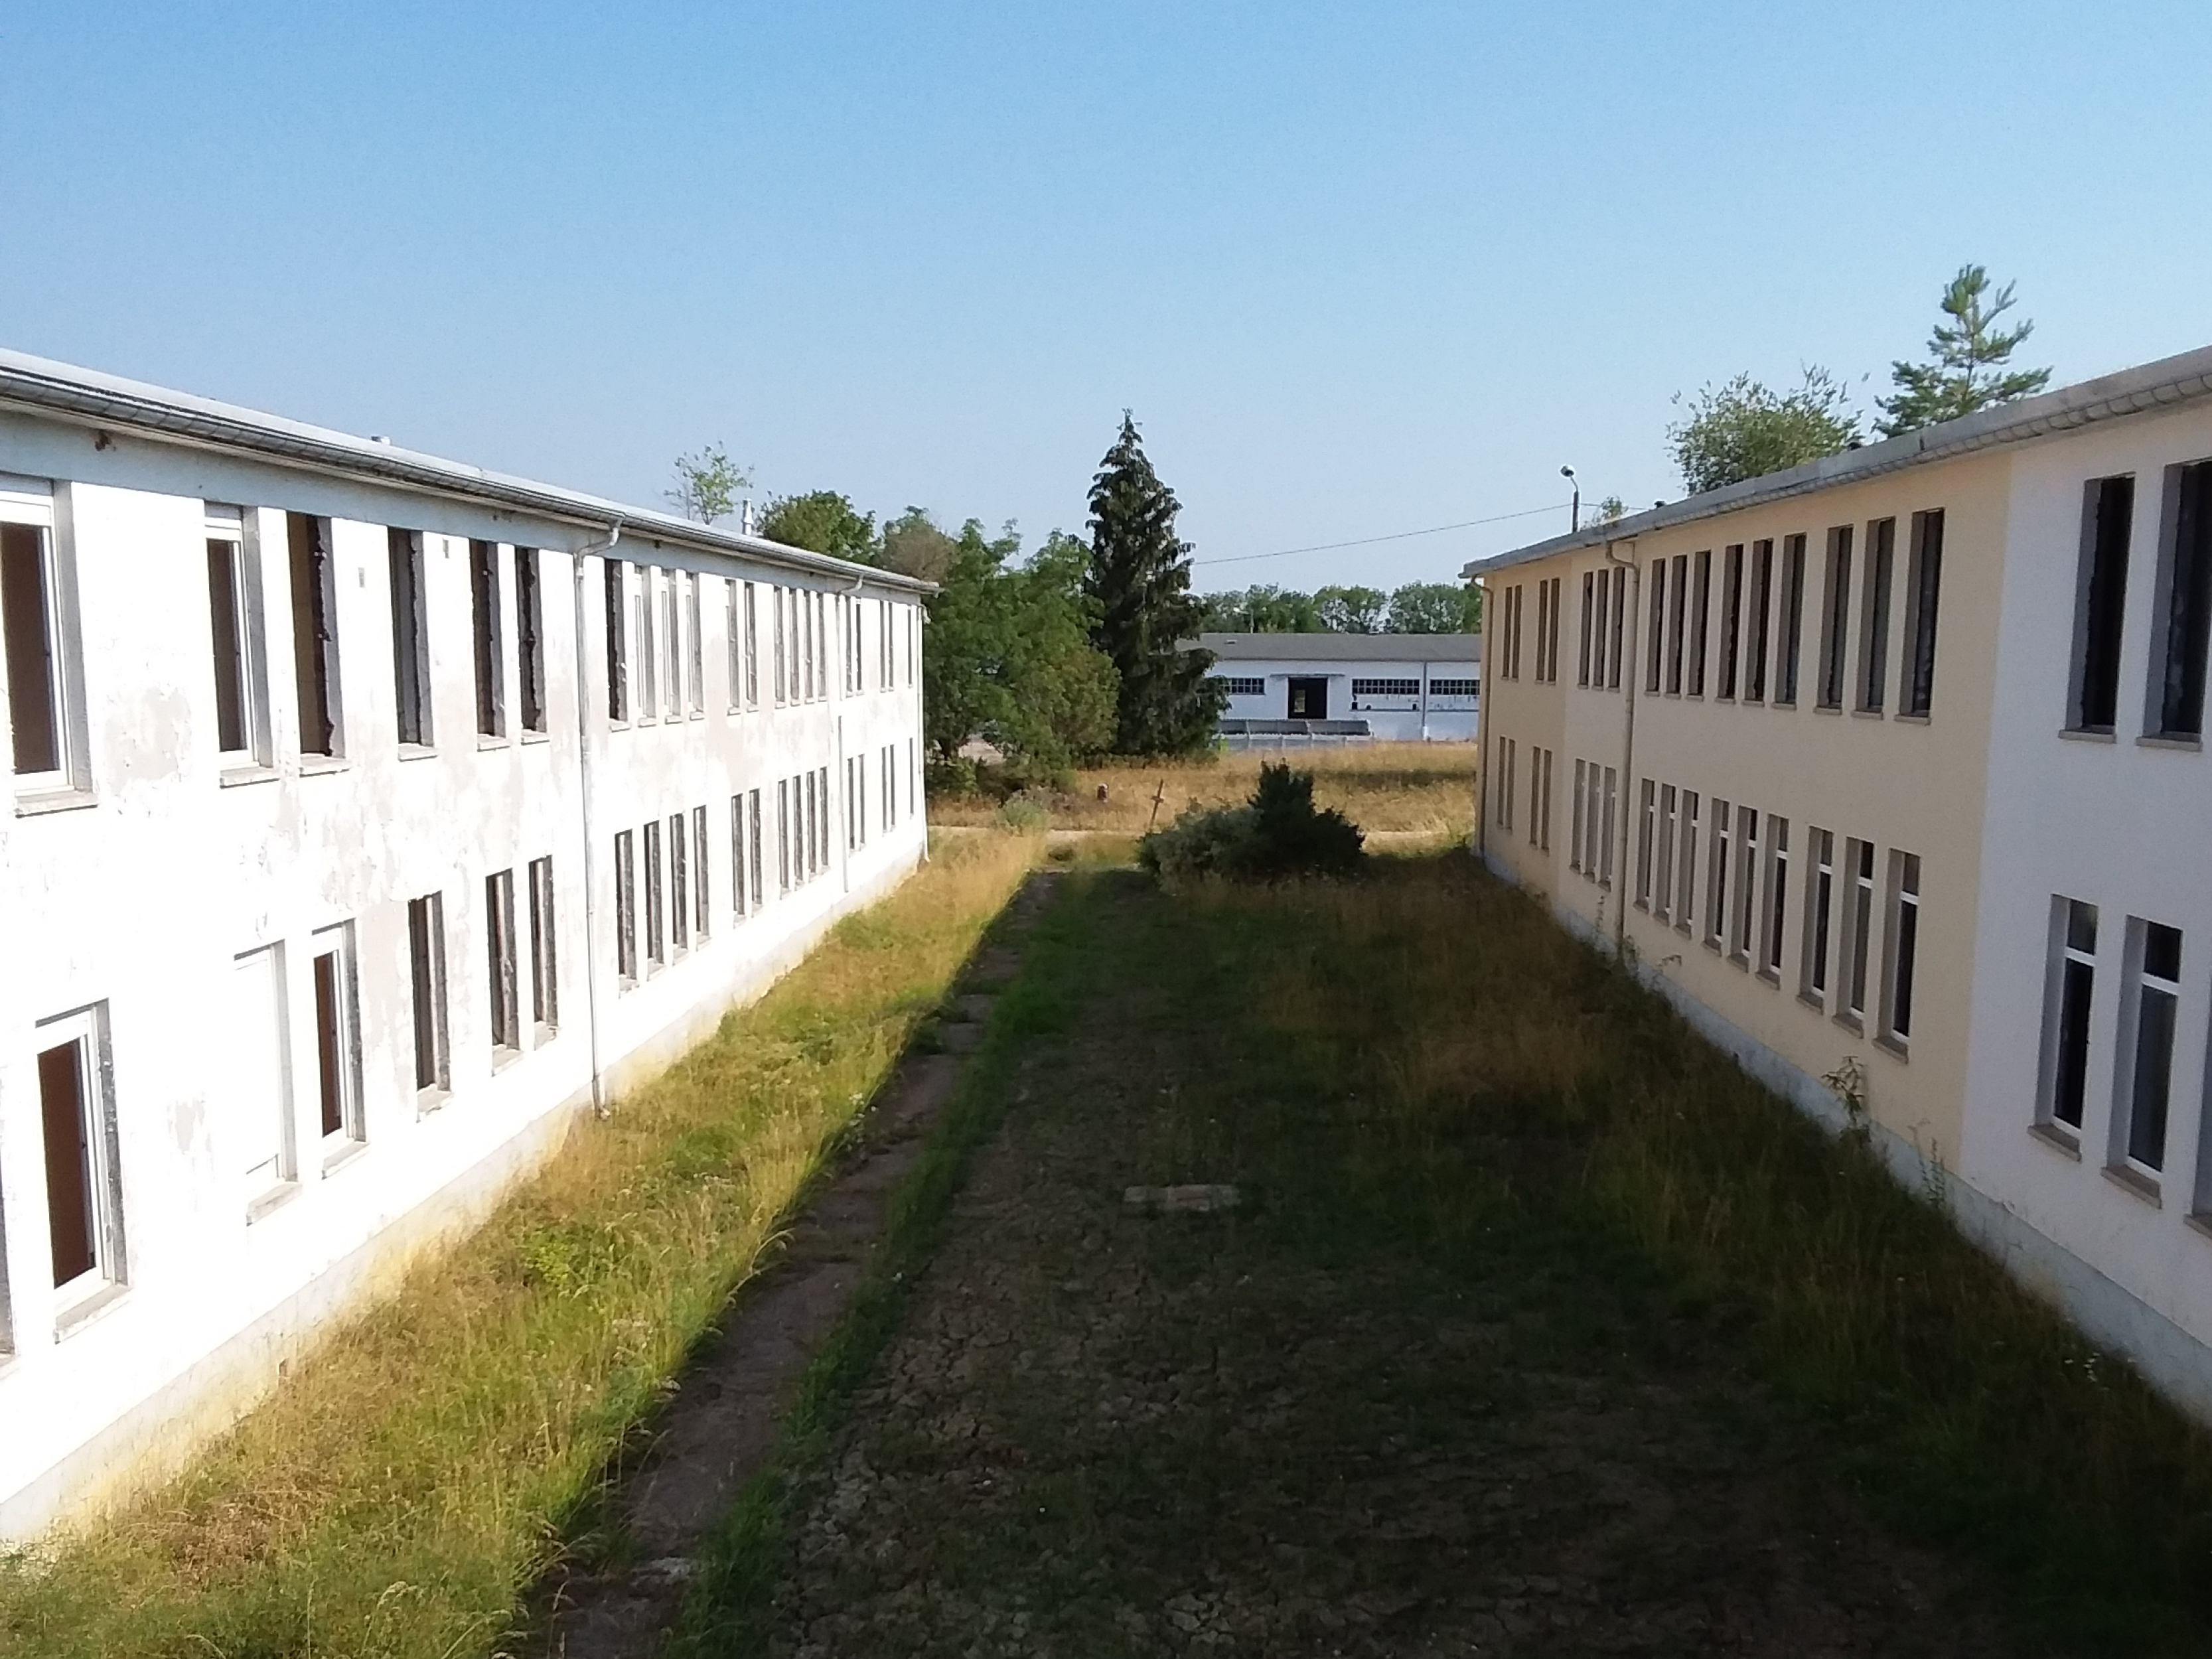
(1396, 536)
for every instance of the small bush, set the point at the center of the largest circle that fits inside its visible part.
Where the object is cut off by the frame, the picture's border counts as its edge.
(1025, 815)
(1277, 833)
(954, 777)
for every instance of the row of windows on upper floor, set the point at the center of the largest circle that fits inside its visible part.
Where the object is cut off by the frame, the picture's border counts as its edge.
(268, 1138)
(2181, 608)
(655, 641)
(1744, 621)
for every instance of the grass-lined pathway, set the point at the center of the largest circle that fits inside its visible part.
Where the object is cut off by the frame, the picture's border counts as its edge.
(1461, 1379)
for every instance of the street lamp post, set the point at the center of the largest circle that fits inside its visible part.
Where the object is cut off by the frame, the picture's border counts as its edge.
(1574, 513)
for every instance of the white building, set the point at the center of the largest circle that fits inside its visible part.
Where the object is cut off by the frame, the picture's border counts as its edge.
(372, 814)
(1398, 688)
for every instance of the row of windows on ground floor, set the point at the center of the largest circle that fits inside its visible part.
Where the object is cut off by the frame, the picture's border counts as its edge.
(268, 1136)
(1722, 872)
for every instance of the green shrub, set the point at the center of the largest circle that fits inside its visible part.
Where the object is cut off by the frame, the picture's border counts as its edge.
(1276, 834)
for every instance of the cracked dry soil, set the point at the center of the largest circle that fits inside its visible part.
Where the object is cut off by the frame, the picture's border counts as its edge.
(1102, 1432)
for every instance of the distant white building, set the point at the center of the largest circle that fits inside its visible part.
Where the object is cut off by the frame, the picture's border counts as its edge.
(1398, 688)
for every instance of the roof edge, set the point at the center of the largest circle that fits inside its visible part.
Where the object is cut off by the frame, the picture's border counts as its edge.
(88, 398)
(2166, 383)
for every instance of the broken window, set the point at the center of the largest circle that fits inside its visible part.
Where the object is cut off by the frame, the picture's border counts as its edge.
(500, 953)
(411, 637)
(314, 633)
(485, 632)
(1762, 593)
(426, 962)
(1858, 924)
(337, 1054)
(1903, 937)
(530, 638)
(84, 1216)
(258, 1105)
(1700, 603)
(1820, 901)
(617, 641)
(1731, 616)
(545, 975)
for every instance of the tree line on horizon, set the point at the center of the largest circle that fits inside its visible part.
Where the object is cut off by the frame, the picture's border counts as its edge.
(1414, 608)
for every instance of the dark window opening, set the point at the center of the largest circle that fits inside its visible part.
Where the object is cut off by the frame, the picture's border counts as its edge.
(2077, 981)
(1925, 584)
(315, 632)
(1700, 601)
(331, 1065)
(617, 644)
(1835, 617)
(2101, 593)
(500, 946)
(72, 1202)
(1790, 622)
(485, 632)
(410, 637)
(1731, 616)
(530, 638)
(1762, 593)
(225, 627)
(2188, 605)
(26, 615)
(544, 976)
(1874, 646)
(426, 961)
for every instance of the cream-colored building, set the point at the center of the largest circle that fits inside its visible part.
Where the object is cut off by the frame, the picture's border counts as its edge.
(1890, 768)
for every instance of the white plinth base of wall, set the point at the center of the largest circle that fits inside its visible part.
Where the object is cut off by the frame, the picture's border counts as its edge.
(154, 1440)
(2169, 1357)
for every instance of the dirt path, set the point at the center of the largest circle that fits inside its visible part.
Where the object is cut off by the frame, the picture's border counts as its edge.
(1284, 1430)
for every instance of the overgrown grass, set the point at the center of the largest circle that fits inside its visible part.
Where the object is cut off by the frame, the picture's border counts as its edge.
(401, 1493)
(1393, 788)
(1494, 1056)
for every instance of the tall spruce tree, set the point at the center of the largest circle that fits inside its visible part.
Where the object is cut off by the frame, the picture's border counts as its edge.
(1138, 584)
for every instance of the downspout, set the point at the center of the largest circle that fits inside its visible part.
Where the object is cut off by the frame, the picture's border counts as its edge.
(1632, 674)
(584, 815)
(1425, 702)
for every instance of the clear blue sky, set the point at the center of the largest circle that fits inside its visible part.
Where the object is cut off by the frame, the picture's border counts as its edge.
(1357, 268)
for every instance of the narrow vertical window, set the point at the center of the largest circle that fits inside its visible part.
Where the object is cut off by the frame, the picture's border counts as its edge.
(1790, 624)
(2069, 983)
(84, 1215)
(1858, 924)
(735, 633)
(337, 1050)
(617, 624)
(783, 846)
(752, 650)
(625, 907)
(1612, 838)
(656, 949)
(489, 648)
(1574, 841)
(1686, 885)
(530, 638)
(701, 920)
(1663, 901)
(2100, 595)
(679, 884)
(1746, 912)
(314, 633)
(775, 599)
(1778, 896)
(258, 1081)
(1656, 629)
(1543, 615)
(1647, 836)
(426, 962)
(671, 583)
(1505, 793)
(649, 653)
(739, 864)
(1716, 877)
(1620, 628)
(2155, 997)
(241, 694)
(1874, 615)
(1923, 585)
(1901, 939)
(1588, 627)
(27, 612)
(1819, 900)
(500, 961)
(753, 845)
(545, 969)
(1731, 618)
(1700, 605)
(694, 657)
(1681, 586)
(1762, 594)
(1835, 617)
(411, 637)
(1544, 829)
(2185, 618)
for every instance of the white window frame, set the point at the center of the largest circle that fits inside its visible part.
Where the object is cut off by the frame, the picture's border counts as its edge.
(41, 506)
(338, 942)
(2138, 981)
(86, 1029)
(262, 1194)
(241, 528)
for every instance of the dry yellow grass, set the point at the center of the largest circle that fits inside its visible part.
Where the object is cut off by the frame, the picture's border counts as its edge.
(1391, 788)
(402, 1492)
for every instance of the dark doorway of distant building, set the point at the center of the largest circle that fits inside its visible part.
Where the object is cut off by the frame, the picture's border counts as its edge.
(1310, 697)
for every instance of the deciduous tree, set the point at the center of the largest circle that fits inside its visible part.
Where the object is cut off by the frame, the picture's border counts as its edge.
(707, 484)
(1741, 429)
(1352, 610)
(1434, 608)
(824, 521)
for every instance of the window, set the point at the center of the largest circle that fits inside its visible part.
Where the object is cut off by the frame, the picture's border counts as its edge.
(1686, 885)
(234, 632)
(529, 637)
(887, 784)
(752, 651)
(1664, 858)
(426, 962)
(1700, 597)
(2069, 983)
(37, 612)
(1874, 615)
(1454, 688)
(411, 637)
(757, 869)
(2155, 997)
(783, 841)
(1647, 833)
(649, 653)
(1680, 597)
(1858, 926)
(883, 645)
(1543, 625)
(656, 948)
(77, 1120)
(1544, 803)
(544, 972)
(1819, 900)
(1655, 643)
(1762, 593)
(671, 584)
(1591, 628)
(1901, 939)
(695, 657)
(1924, 583)
(1575, 838)
(625, 908)
(1506, 787)
(776, 598)
(500, 950)
(1717, 878)
(617, 612)
(1746, 914)
(1620, 627)
(1778, 897)
(701, 920)
(2099, 594)
(2183, 617)
(1790, 622)
(1605, 851)
(810, 646)
(741, 856)
(734, 635)
(1731, 618)
(1386, 688)
(1835, 617)
(489, 648)
(337, 1049)
(1243, 686)
(821, 816)
(314, 633)
(256, 1112)
(679, 884)
(1551, 637)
